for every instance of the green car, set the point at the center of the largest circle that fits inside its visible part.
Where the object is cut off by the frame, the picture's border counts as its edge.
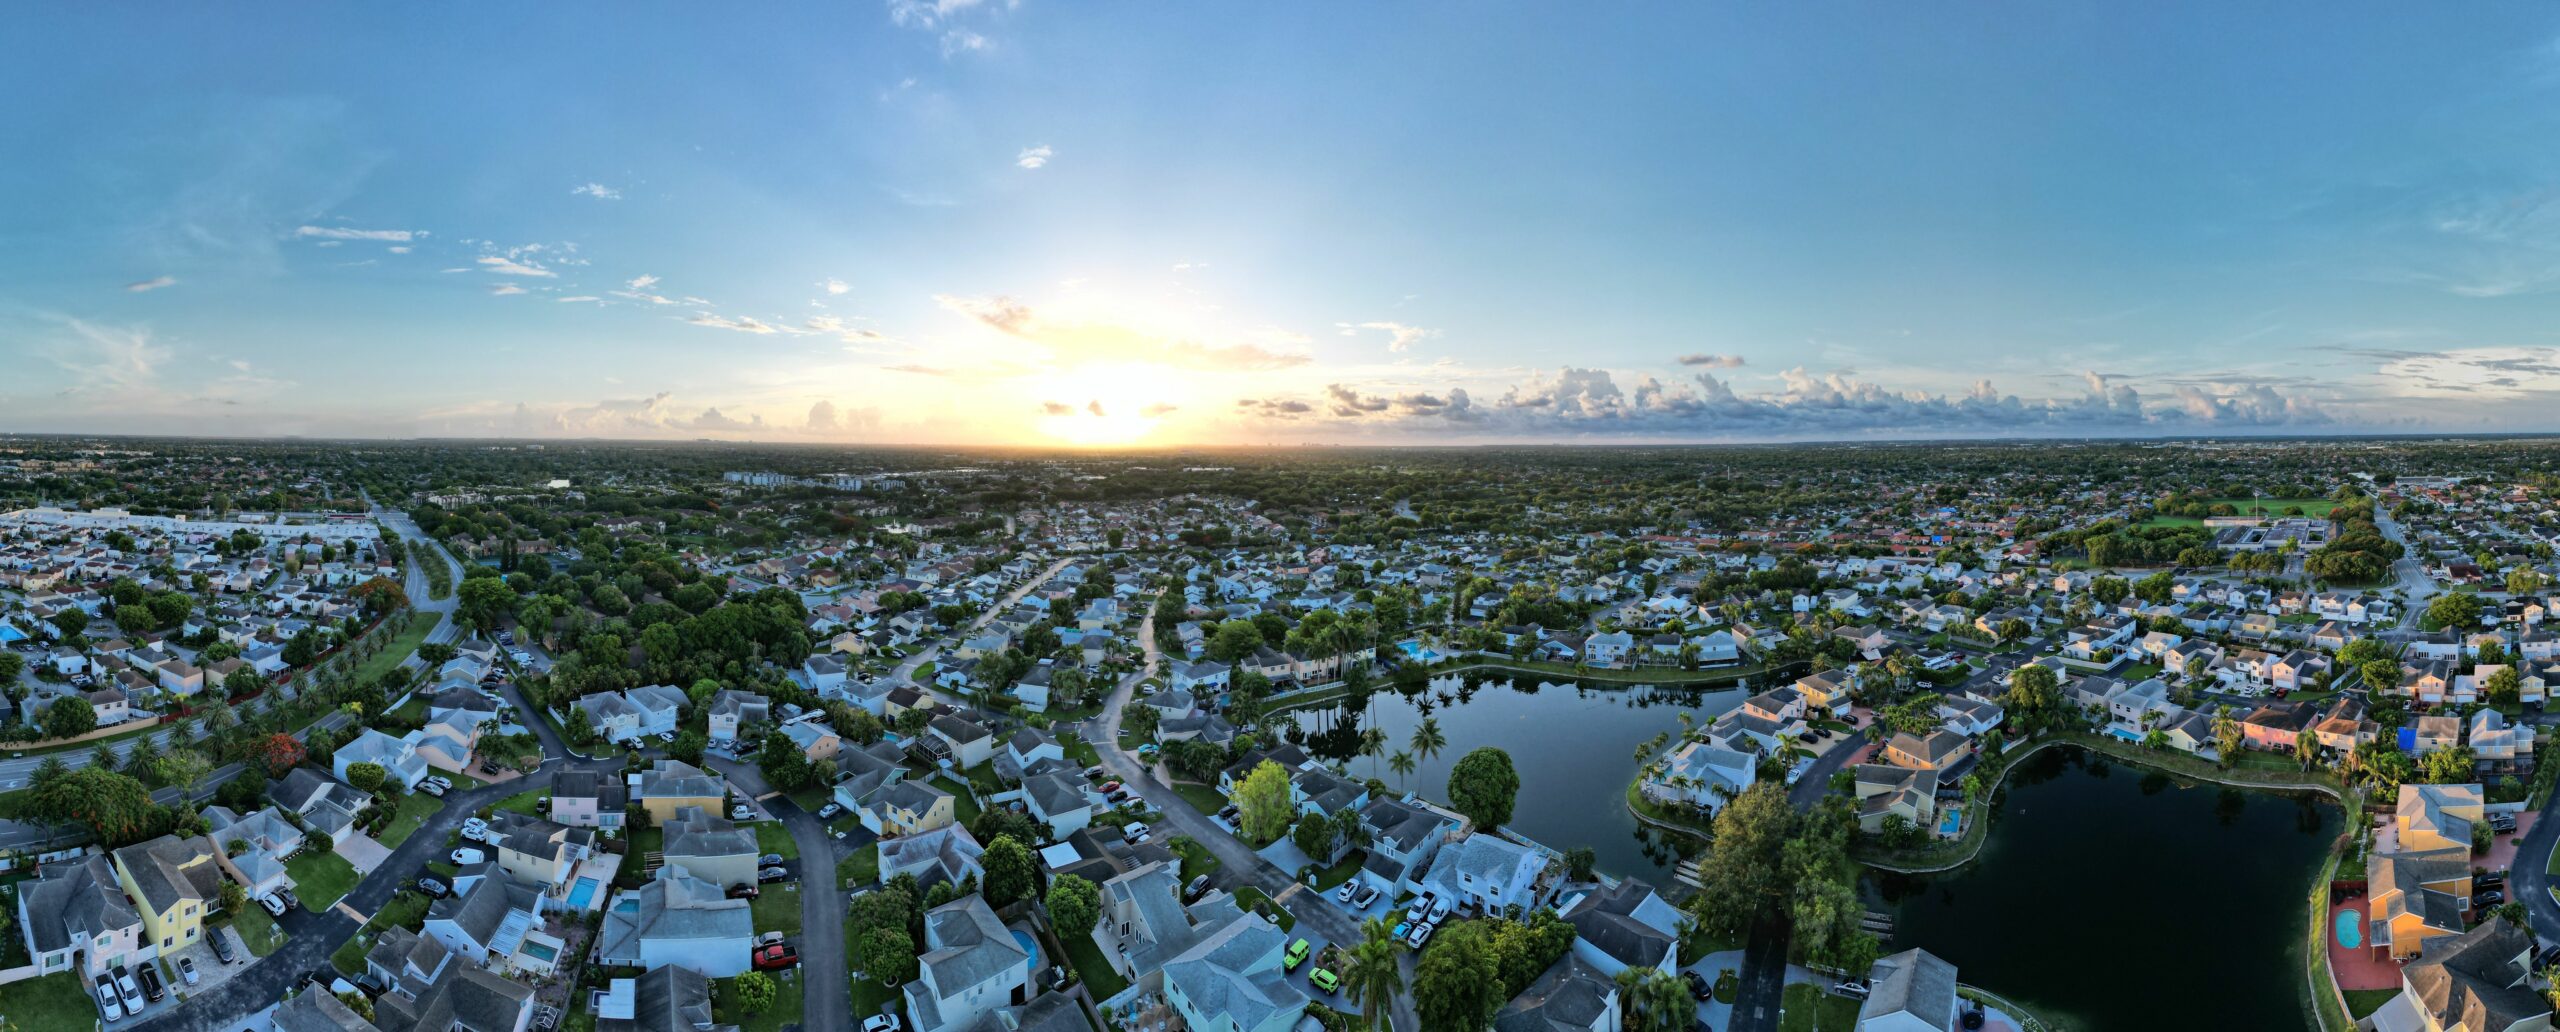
(1323, 979)
(1297, 955)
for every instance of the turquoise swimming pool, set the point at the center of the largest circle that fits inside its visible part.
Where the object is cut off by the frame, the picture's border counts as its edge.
(582, 893)
(2350, 929)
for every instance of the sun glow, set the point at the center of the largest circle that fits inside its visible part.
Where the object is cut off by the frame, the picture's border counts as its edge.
(1106, 406)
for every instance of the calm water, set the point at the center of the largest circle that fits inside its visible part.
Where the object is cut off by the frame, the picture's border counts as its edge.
(2113, 897)
(1573, 746)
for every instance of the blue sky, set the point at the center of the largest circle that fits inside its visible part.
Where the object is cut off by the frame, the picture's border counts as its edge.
(1143, 223)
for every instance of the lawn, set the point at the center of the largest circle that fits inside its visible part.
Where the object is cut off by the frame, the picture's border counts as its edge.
(1197, 860)
(404, 643)
(787, 1004)
(54, 1001)
(967, 804)
(772, 837)
(1332, 877)
(1806, 1009)
(439, 573)
(320, 879)
(257, 930)
(1087, 959)
(527, 802)
(1249, 897)
(414, 810)
(1201, 797)
(2361, 1002)
(634, 870)
(778, 909)
(869, 996)
(1078, 750)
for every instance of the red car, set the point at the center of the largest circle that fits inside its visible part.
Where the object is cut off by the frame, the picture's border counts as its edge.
(777, 957)
(1110, 786)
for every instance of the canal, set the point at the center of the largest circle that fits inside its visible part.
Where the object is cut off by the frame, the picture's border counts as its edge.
(2111, 896)
(1574, 747)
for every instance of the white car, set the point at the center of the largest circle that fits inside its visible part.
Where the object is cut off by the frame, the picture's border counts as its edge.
(473, 827)
(1439, 910)
(129, 989)
(273, 906)
(881, 1023)
(107, 1001)
(468, 857)
(1135, 832)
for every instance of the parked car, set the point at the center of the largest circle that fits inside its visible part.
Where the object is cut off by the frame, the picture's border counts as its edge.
(773, 874)
(468, 857)
(1110, 786)
(1324, 978)
(1855, 989)
(1420, 933)
(430, 788)
(1198, 886)
(882, 1023)
(743, 892)
(1698, 987)
(1421, 906)
(286, 897)
(741, 812)
(222, 948)
(434, 888)
(769, 860)
(769, 939)
(150, 977)
(440, 781)
(187, 970)
(129, 990)
(1092, 772)
(1347, 892)
(1368, 894)
(829, 812)
(1295, 955)
(776, 958)
(109, 1003)
(1136, 831)
(2488, 898)
(273, 906)
(1439, 910)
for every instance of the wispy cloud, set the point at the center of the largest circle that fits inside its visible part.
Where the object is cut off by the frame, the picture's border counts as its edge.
(506, 266)
(154, 283)
(835, 286)
(741, 324)
(1400, 337)
(1712, 361)
(1106, 341)
(598, 191)
(505, 289)
(1033, 157)
(399, 236)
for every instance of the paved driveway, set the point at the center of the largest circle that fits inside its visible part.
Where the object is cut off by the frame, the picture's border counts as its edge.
(363, 852)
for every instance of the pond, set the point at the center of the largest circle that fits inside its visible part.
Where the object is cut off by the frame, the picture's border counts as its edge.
(2111, 896)
(1574, 747)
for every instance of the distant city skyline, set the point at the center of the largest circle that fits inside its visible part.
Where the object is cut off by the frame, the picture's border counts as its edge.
(982, 222)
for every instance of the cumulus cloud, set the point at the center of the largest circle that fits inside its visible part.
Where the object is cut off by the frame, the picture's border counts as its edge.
(1712, 361)
(506, 266)
(835, 286)
(154, 283)
(1400, 336)
(599, 191)
(397, 236)
(583, 297)
(926, 14)
(1573, 401)
(963, 41)
(1033, 157)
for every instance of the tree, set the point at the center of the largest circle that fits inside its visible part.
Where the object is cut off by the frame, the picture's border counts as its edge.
(1009, 873)
(69, 717)
(2459, 610)
(2523, 581)
(1741, 876)
(887, 954)
(1074, 906)
(1427, 740)
(2227, 737)
(752, 991)
(183, 768)
(485, 600)
(365, 776)
(1263, 803)
(1654, 1000)
(114, 806)
(1457, 986)
(2035, 693)
(2504, 686)
(232, 897)
(1316, 836)
(2109, 590)
(2448, 765)
(1483, 786)
(1580, 860)
(1372, 977)
(2306, 744)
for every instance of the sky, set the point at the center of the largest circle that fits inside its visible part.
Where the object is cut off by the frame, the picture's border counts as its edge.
(1146, 224)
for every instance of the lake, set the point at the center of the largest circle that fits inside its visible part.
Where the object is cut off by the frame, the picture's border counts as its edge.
(1574, 748)
(2111, 896)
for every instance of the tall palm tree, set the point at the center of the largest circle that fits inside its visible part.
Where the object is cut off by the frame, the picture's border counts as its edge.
(1427, 739)
(1401, 763)
(1654, 1000)
(1373, 744)
(1371, 978)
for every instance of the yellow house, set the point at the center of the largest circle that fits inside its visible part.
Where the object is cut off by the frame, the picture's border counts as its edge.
(1887, 791)
(910, 808)
(173, 882)
(671, 785)
(2437, 816)
(2417, 896)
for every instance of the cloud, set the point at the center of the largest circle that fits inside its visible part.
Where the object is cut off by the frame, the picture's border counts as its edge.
(1161, 409)
(741, 324)
(1107, 341)
(2491, 373)
(108, 358)
(154, 283)
(1095, 407)
(1712, 361)
(835, 286)
(1057, 408)
(1274, 408)
(504, 289)
(925, 14)
(919, 370)
(582, 297)
(822, 417)
(398, 236)
(963, 41)
(1033, 157)
(842, 330)
(643, 281)
(598, 191)
(506, 266)
(1399, 336)
(403, 249)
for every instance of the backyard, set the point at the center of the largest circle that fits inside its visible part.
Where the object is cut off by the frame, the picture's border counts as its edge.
(414, 810)
(787, 1004)
(1807, 1009)
(320, 879)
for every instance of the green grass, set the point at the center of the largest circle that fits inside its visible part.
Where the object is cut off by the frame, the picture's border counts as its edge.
(52, 1002)
(966, 805)
(1249, 897)
(778, 909)
(527, 802)
(1090, 965)
(788, 1001)
(634, 870)
(320, 879)
(1332, 877)
(983, 778)
(414, 810)
(772, 837)
(1201, 797)
(257, 930)
(869, 996)
(1806, 1009)
(1078, 750)
(439, 573)
(404, 643)
(862, 868)
(1197, 860)
(348, 958)
(2361, 1002)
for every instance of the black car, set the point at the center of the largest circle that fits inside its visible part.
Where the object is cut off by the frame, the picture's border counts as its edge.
(1198, 885)
(150, 976)
(743, 892)
(434, 889)
(1698, 986)
(2488, 898)
(222, 948)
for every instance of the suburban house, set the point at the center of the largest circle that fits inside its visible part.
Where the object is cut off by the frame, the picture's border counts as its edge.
(732, 709)
(589, 799)
(1910, 991)
(1060, 801)
(1886, 791)
(945, 854)
(79, 910)
(1625, 926)
(671, 785)
(537, 852)
(971, 967)
(2431, 817)
(1404, 837)
(173, 883)
(324, 803)
(710, 847)
(1487, 872)
(489, 925)
(2417, 895)
(908, 808)
(677, 920)
(628, 716)
(1701, 774)
(269, 839)
(1230, 979)
(966, 742)
(399, 760)
(2476, 980)
(1569, 996)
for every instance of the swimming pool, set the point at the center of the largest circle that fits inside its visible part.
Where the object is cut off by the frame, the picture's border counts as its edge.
(1033, 965)
(2350, 929)
(10, 633)
(2117, 732)
(1415, 650)
(1951, 822)
(582, 893)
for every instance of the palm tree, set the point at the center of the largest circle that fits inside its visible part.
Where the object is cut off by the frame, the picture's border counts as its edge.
(1655, 1000)
(1401, 763)
(1371, 977)
(1373, 744)
(1427, 739)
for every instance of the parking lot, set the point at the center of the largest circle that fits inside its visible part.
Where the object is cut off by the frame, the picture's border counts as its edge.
(211, 972)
